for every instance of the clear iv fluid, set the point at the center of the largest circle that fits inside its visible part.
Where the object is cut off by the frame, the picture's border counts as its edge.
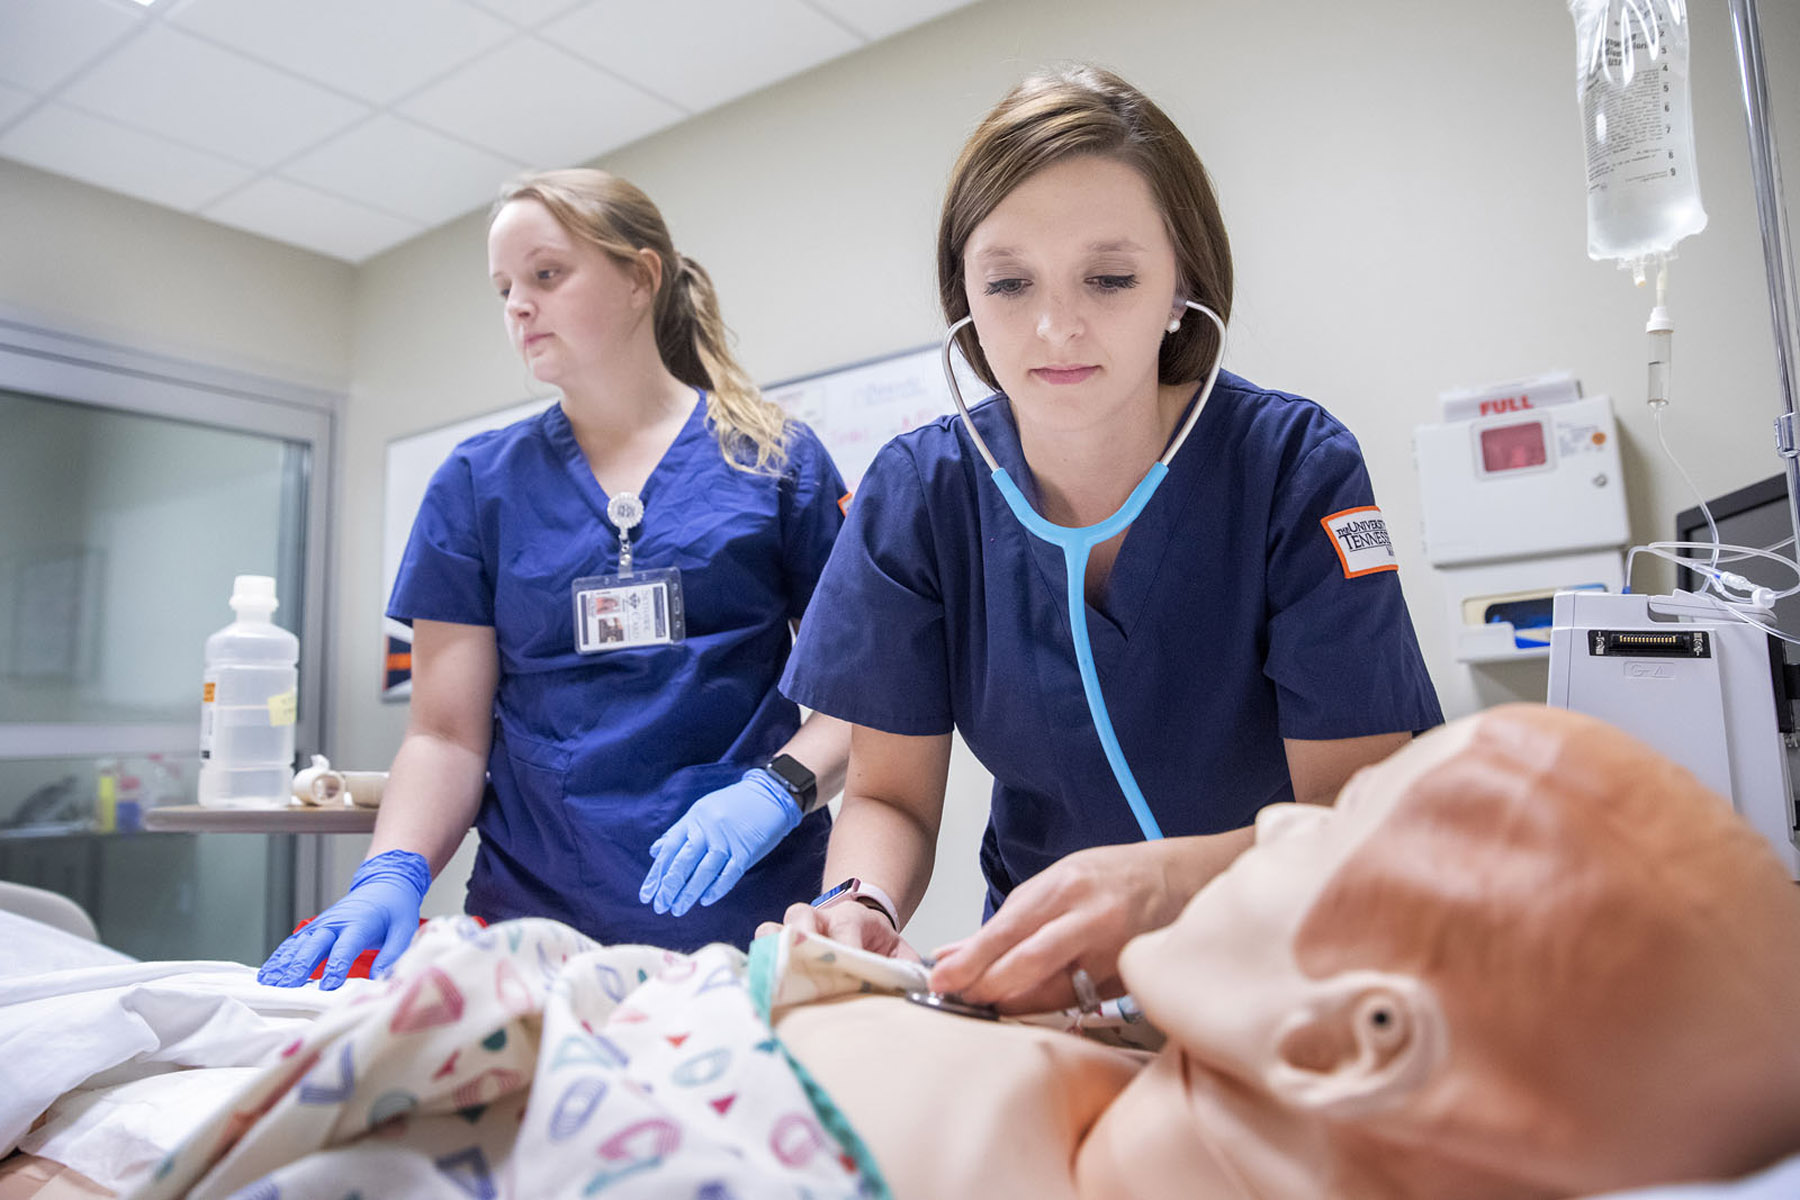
(1643, 193)
(248, 704)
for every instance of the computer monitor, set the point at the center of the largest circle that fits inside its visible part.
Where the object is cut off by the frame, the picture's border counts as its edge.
(1756, 517)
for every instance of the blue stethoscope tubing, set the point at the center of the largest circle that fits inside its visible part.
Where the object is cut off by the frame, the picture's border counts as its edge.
(1077, 543)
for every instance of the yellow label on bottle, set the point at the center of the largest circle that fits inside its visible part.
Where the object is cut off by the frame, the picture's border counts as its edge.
(206, 696)
(283, 708)
(106, 795)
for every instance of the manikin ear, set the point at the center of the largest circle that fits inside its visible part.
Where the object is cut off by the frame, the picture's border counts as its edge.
(1363, 1041)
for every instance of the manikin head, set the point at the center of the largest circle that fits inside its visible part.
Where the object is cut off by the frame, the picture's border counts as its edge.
(1526, 956)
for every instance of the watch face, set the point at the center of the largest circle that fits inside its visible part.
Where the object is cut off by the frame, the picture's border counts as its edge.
(848, 886)
(799, 782)
(797, 777)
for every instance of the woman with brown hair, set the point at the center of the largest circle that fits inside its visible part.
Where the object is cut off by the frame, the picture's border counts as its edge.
(602, 598)
(1247, 627)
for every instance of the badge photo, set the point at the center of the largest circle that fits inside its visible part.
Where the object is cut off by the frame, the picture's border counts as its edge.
(616, 612)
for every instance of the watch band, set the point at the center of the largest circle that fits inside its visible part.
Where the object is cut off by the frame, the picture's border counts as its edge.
(799, 781)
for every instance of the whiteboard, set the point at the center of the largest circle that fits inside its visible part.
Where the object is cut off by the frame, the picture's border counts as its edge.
(854, 409)
(411, 462)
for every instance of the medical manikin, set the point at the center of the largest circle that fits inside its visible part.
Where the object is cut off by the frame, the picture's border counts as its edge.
(1524, 957)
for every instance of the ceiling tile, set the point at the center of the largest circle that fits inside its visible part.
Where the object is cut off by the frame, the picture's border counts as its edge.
(527, 13)
(171, 82)
(46, 39)
(538, 105)
(301, 216)
(97, 151)
(395, 165)
(701, 52)
(879, 18)
(377, 51)
(13, 101)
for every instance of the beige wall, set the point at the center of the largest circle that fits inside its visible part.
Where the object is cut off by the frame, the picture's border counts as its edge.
(1402, 178)
(81, 260)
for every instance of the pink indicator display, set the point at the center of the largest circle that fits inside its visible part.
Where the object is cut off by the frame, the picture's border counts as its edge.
(1513, 447)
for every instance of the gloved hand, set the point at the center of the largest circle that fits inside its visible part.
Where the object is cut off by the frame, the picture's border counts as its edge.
(724, 834)
(380, 909)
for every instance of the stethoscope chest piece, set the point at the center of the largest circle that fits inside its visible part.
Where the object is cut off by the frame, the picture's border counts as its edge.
(950, 1004)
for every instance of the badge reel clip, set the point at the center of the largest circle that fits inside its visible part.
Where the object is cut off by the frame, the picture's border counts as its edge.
(631, 608)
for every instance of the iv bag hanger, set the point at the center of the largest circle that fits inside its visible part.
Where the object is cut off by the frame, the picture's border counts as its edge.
(1778, 262)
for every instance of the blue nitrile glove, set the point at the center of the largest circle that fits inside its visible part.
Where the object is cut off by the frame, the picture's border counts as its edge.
(380, 909)
(724, 834)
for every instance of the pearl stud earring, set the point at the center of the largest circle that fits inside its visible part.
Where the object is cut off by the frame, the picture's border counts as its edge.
(1174, 324)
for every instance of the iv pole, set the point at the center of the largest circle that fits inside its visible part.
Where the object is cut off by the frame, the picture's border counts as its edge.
(1778, 262)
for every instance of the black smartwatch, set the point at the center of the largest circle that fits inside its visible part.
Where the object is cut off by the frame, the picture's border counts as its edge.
(801, 783)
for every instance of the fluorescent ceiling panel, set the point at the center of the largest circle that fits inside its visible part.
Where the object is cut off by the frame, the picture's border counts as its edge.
(100, 152)
(568, 112)
(42, 41)
(702, 52)
(377, 50)
(211, 99)
(527, 14)
(396, 166)
(302, 216)
(876, 19)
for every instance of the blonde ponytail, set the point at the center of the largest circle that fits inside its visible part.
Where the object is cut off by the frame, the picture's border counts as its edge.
(690, 333)
(752, 431)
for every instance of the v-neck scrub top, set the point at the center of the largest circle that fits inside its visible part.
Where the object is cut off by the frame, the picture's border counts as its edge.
(1229, 622)
(595, 755)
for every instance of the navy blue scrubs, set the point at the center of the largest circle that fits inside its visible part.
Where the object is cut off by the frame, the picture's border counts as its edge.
(594, 756)
(1233, 618)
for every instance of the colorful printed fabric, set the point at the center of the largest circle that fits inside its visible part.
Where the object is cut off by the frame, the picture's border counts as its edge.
(526, 1060)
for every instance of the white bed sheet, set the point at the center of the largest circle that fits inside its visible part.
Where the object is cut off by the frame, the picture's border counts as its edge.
(115, 1061)
(32, 948)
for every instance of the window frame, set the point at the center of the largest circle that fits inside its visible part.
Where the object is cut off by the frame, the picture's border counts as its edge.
(83, 370)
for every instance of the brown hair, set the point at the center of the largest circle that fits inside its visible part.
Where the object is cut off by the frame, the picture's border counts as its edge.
(1084, 110)
(690, 334)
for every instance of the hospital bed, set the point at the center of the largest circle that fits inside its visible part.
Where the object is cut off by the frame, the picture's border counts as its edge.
(49, 908)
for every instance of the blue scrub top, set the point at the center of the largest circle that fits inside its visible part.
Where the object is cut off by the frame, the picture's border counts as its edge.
(1229, 622)
(594, 756)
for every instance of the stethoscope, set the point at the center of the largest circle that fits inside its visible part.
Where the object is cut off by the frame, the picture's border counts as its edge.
(1077, 543)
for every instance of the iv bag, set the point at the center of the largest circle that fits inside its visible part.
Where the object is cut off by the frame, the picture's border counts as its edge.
(1631, 80)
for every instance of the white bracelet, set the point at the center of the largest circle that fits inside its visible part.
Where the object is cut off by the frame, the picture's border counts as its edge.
(883, 901)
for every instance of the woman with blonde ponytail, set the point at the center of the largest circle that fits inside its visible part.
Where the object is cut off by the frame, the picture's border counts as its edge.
(602, 599)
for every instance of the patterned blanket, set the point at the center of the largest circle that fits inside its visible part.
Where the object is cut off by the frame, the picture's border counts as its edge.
(526, 1060)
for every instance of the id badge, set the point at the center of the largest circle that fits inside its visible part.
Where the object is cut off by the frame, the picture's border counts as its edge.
(616, 612)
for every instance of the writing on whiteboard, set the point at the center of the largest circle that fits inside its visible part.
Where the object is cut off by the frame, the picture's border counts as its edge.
(857, 409)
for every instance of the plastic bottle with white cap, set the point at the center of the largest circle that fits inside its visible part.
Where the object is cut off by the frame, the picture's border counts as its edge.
(249, 704)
